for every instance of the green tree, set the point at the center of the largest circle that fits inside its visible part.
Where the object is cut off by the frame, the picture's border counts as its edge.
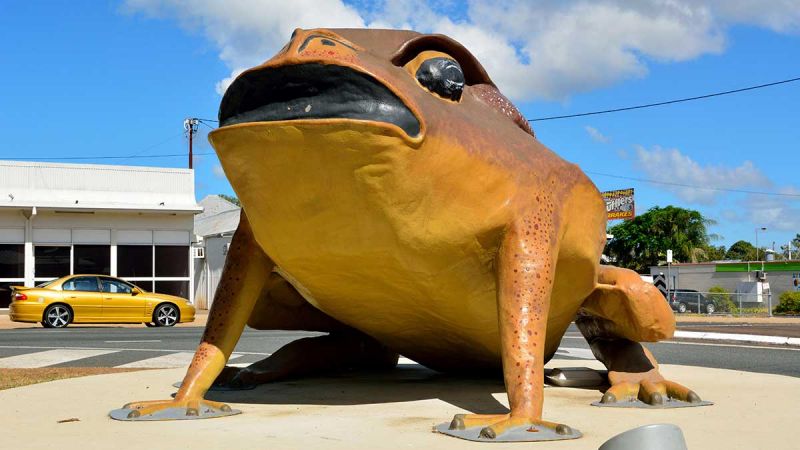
(796, 245)
(790, 303)
(713, 253)
(643, 241)
(742, 250)
(231, 199)
(722, 299)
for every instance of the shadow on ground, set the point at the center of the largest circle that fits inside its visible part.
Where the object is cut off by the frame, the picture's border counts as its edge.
(406, 383)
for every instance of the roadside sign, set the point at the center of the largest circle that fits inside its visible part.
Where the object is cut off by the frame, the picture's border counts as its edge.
(669, 256)
(660, 282)
(619, 204)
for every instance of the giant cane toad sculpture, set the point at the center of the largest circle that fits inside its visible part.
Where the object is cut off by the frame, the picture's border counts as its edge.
(393, 197)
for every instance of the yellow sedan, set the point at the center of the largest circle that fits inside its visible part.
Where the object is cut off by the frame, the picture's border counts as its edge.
(96, 299)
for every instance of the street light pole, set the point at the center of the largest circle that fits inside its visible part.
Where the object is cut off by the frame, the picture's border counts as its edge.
(762, 229)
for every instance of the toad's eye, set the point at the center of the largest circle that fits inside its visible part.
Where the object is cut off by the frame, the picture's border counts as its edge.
(443, 77)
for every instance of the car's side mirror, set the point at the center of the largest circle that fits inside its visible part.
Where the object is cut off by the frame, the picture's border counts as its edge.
(136, 291)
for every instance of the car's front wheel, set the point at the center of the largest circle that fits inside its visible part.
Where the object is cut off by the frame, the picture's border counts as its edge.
(710, 308)
(56, 316)
(681, 307)
(166, 315)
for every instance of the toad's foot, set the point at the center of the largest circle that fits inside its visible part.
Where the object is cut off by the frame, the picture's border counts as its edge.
(198, 408)
(505, 427)
(648, 387)
(633, 372)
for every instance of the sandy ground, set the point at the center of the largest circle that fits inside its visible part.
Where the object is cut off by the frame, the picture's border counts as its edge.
(386, 411)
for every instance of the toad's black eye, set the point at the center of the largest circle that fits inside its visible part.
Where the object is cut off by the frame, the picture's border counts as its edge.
(442, 76)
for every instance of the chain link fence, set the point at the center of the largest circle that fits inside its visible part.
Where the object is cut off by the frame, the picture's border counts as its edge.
(721, 303)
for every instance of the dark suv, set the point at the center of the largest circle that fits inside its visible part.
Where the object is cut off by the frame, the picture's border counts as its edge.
(683, 300)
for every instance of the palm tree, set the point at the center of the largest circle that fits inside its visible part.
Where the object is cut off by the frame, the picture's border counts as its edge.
(644, 241)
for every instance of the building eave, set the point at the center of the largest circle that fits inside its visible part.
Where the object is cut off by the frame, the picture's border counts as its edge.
(83, 208)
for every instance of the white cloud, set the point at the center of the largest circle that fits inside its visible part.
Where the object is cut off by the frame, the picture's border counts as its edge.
(248, 32)
(531, 48)
(218, 172)
(672, 166)
(778, 213)
(596, 135)
(778, 15)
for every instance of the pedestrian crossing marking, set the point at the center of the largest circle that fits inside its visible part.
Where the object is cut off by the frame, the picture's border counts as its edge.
(49, 358)
(173, 359)
(179, 359)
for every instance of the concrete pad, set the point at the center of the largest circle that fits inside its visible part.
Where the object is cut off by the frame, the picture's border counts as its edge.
(387, 411)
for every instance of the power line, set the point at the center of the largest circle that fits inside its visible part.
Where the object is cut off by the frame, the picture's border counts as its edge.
(133, 156)
(710, 188)
(209, 126)
(156, 145)
(668, 102)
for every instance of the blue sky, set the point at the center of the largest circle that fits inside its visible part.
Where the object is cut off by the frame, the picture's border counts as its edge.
(90, 78)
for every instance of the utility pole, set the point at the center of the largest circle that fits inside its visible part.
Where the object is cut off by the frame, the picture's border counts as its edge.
(190, 125)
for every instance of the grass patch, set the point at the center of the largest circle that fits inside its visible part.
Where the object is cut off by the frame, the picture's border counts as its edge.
(12, 378)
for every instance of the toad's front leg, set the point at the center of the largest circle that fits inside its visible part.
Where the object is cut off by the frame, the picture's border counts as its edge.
(622, 311)
(525, 274)
(244, 275)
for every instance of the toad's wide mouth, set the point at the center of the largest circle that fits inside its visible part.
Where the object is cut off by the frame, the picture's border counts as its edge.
(313, 91)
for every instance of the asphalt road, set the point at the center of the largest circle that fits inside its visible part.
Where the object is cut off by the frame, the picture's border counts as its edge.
(172, 347)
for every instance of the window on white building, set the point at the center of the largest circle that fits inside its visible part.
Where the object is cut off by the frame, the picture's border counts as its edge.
(160, 268)
(134, 261)
(173, 287)
(95, 259)
(172, 261)
(51, 261)
(12, 261)
(12, 270)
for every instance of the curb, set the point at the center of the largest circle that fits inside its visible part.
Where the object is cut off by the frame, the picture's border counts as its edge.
(752, 338)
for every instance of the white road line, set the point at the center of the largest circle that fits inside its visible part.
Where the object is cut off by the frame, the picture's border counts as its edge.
(582, 353)
(180, 359)
(748, 338)
(157, 350)
(49, 358)
(129, 342)
(706, 344)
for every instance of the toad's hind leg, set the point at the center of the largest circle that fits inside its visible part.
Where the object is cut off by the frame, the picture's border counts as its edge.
(621, 312)
(281, 307)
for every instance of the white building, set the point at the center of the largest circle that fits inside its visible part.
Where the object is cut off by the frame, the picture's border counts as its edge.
(132, 222)
(214, 228)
